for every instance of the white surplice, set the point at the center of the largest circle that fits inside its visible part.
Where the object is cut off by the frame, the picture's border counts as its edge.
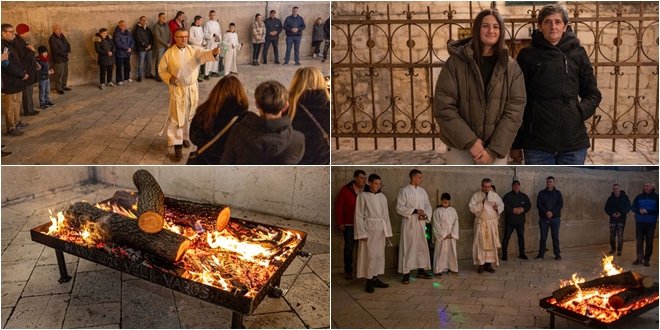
(184, 96)
(211, 28)
(445, 224)
(196, 37)
(413, 247)
(372, 221)
(486, 236)
(231, 39)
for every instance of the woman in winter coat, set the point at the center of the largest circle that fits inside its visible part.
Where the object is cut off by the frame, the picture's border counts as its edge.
(105, 48)
(226, 101)
(317, 36)
(480, 96)
(258, 38)
(309, 110)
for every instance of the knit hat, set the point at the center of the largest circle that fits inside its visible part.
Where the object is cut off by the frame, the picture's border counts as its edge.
(22, 28)
(42, 49)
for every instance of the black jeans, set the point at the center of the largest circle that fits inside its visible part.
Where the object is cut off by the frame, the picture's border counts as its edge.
(28, 101)
(644, 231)
(552, 224)
(349, 243)
(105, 70)
(616, 231)
(256, 50)
(326, 47)
(520, 232)
(275, 50)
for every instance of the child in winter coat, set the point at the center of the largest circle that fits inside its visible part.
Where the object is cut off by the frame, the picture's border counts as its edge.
(44, 78)
(105, 49)
(445, 233)
(317, 36)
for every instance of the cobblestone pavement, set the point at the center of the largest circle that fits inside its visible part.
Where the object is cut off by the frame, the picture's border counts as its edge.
(119, 125)
(508, 298)
(100, 297)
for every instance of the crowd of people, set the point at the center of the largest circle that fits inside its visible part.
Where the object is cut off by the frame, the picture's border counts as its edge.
(363, 215)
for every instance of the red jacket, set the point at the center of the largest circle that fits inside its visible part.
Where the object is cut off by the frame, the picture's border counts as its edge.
(173, 27)
(346, 205)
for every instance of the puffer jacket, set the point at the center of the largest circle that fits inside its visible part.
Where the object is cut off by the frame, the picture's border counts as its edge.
(648, 202)
(162, 35)
(143, 38)
(258, 32)
(317, 32)
(102, 47)
(123, 41)
(462, 110)
(554, 78)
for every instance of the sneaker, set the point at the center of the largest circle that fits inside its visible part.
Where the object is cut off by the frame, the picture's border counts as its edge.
(297, 63)
(20, 124)
(200, 79)
(370, 286)
(489, 269)
(44, 107)
(207, 77)
(60, 92)
(438, 275)
(322, 61)
(285, 63)
(406, 278)
(523, 257)
(314, 55)
(215, 74)
(139, 79)
(67, 88)
(276, 62)
(150, 76)
(618, 253)
(129, 80)
(558, 258)
(636, 262)
(102, 86)
(14, 132)
(647, 263)
(178, 153)
(186, 144)
(451, 272)
(611, 252)
(504, 258)
(480, 270)
(121, 83)
(348, 276)
(264, 62)
(49, 103)
(538, 258)
(380, 284)
(424, 275)
(111, 84)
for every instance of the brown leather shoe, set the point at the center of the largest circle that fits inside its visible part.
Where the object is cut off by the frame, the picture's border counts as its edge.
(186, 144)
(489, 269)
(178, 153)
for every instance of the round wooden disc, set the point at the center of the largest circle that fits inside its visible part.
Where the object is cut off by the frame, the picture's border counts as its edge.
(151, 222)
(615, 302)
(223, 219)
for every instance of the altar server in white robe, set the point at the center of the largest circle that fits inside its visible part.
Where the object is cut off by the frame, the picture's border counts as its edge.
(414, 207)
(372, 227)
(445, 233)
(179, 69)
(486, 206)
(230, 41)
(212, 36)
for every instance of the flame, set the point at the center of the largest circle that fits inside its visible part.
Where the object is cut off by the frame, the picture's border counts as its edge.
(608, 267)
(57, 222)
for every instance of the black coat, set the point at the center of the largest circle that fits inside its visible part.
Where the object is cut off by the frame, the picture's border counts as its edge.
(200, 137)
(143, 38)
(549, 201)
(326, 29)
(317, 149)
(273, 24)
(59, 49)
(28, 60)
(102, 47)
(619, 204)
(12, 74)
(512, 200)
(259, 141)
(554, 78)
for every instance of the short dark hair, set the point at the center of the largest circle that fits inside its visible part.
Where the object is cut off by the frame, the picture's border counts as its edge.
(232, 24)
(197, 18)
(212, 12)
(6, 26)
(271, 96)
(103, 30)
(551, 9)
(445, 196)
(160, 14)
(141, 17)
(550, 178)
(414, 172)
(294, 7)
(273, 11)
(373, 177)
(358, 172)
(615, 185)
(179, 13)
(486, 180)
(514, 182)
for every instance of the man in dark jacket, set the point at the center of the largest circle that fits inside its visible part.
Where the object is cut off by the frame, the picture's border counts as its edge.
(557, 71)
(645, 207)
(346, 217)
(617, 207)
(29, 61)
(273, 30)
(326, 47)
(59, 54)
(294, 26)
(13, 76)
(144, 41)
(549, 202)
(162, 38)
(125, 45)
(267, 139)
(516, 205)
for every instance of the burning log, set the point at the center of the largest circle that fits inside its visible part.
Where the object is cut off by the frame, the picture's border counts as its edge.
(629, 297)
(624, 280)
(211, 217)
(151, 208)
(122, 230)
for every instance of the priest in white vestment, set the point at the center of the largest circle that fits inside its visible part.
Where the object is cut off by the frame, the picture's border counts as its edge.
(414, 207)
(213, 38)
(372, 227)
(230, 41)
(179, 69)
(445, 234)
(486, 206)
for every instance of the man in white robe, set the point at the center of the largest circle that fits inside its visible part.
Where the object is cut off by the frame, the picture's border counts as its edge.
(414, 207)
(213, 37)
(486, 206)
(445, 233)
(372, 227)
(179, 69)
(230, 41)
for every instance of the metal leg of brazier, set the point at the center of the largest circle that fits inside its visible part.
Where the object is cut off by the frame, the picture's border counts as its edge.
(64, 276)
(552, 320)
(237, 320)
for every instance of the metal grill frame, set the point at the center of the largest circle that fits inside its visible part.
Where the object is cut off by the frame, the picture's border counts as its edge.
(555, 310)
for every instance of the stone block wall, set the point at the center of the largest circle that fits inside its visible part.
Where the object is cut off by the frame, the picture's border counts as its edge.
(27, 181)
(584, 191)
(81, 20)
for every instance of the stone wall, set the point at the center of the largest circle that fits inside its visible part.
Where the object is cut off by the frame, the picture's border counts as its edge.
(81, 20)
(584, 191)
(27, 181)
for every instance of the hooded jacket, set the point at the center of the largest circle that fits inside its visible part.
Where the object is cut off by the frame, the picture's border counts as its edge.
(102, 47)
(59, 48)
(619, 204)
(259, 141)
(462, 110)
(554, 78)
(649, 202)
(317, 149)
(143, 38)
(123, 41)
(28, 60)
(13, 73)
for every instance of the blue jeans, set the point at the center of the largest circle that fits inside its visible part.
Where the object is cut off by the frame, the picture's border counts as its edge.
(159, 56)
(44, 92)
(536, 157)
(295, 41)
(123, 68)
(553, 225)
(644, 231)
(145, 54)
(275, 50)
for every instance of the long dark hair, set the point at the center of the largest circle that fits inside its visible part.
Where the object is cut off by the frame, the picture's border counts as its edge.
(477, 45)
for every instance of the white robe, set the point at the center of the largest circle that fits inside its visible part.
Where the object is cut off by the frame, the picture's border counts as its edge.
(229, 39)
(413, 247)
(196, 36)
(372, 221)
(486, 236)
(445, 223)
(184, 64)
(210, 28)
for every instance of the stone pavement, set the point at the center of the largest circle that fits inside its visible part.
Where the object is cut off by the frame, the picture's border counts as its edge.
(100, 297)
(508, 298)
(424, 155)
(120, 124)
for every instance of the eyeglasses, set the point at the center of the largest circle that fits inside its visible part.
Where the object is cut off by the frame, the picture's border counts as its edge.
(12, 31)
(181, 37)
